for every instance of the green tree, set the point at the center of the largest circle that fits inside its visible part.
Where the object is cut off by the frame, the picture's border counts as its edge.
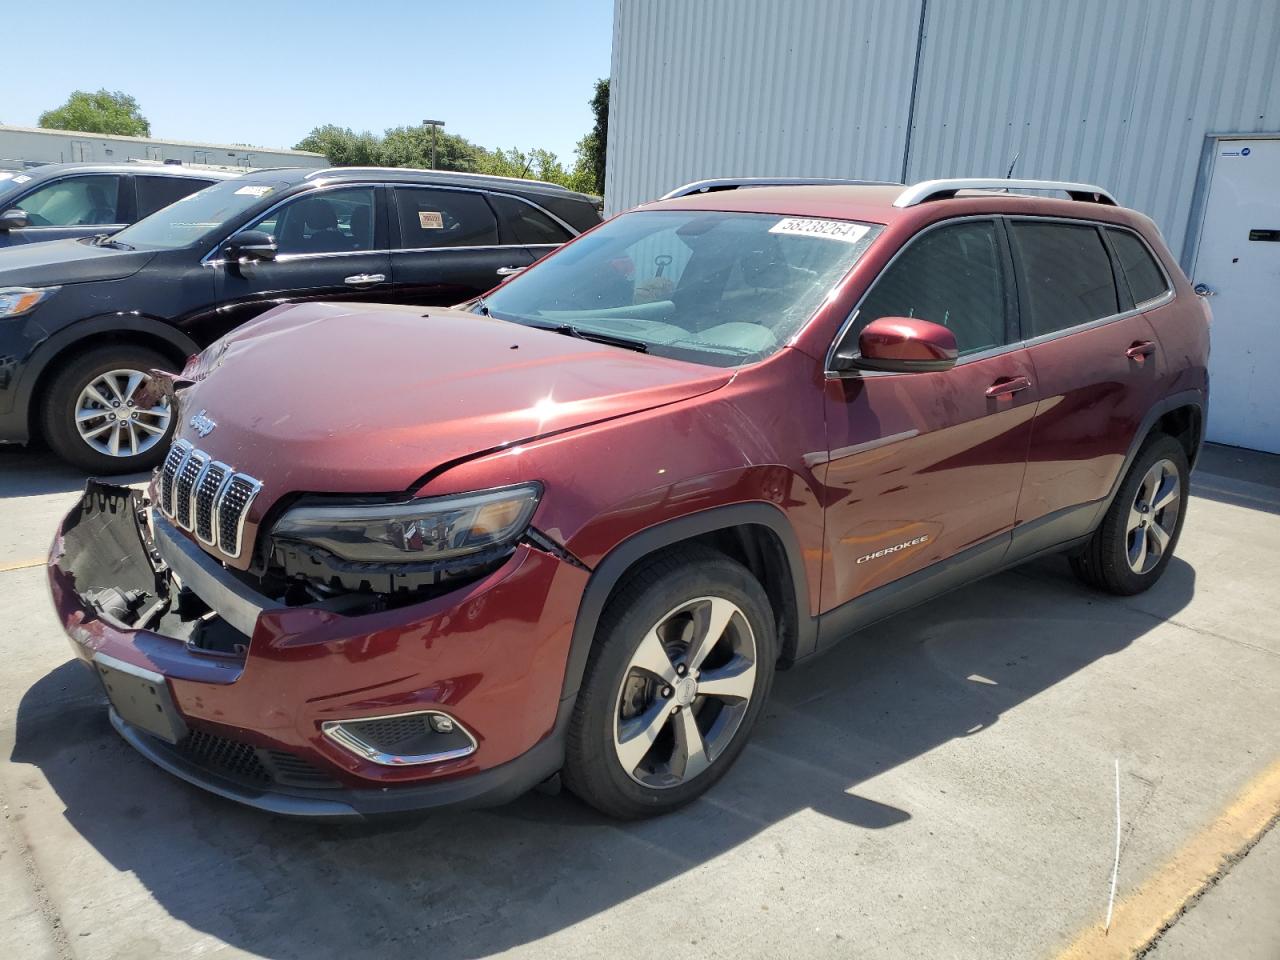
(411, 147)
(343, 147)
(101, 112)
(592, 147)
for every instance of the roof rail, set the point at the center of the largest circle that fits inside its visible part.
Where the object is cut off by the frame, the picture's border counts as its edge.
(946, 189)
(737, 183)
(445, 173)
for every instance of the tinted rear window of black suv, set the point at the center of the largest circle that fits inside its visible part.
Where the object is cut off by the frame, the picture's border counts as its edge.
(1065, 272)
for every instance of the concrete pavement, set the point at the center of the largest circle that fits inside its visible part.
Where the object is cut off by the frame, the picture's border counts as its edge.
(942, 786)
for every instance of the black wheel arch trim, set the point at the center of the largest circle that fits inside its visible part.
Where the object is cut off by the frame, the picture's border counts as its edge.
(1186, 398)
(44, 355)
(608, 572)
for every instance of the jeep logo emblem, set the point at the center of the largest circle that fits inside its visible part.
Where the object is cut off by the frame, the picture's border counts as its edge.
(202, 424)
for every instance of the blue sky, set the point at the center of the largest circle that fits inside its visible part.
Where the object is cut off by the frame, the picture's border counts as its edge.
(498, 72)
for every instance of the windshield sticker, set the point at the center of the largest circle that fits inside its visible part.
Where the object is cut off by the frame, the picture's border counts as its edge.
(430, 220)
(840, 230)
(22, 179)
(252, 191)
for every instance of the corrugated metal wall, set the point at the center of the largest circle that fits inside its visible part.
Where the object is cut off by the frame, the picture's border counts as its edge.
(1119, 93)
(756, 88)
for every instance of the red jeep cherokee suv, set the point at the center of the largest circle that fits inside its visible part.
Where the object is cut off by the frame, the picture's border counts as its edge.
(398, 558)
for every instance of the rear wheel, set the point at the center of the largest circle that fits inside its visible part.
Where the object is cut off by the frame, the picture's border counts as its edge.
(1135, 541)
(682, 663)
(93, 417)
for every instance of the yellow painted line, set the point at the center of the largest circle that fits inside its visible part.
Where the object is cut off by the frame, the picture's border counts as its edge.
(1143, 915)
(21, 565)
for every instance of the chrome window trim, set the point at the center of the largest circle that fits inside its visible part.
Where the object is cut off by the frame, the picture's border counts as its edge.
(497, 193)
(74, 175)
(206, 260)
(1143, 307)
(333, 729)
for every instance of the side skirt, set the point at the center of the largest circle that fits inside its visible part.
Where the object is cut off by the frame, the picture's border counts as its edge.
(1054, 533)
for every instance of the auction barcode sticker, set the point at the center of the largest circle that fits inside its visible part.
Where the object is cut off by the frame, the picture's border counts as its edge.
(841, 230)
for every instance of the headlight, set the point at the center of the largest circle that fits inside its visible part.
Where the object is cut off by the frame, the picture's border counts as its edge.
(15, 301)
(439, 528)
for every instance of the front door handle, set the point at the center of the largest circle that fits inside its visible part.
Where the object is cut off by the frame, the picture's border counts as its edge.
(509, 271)
(1140, 350)
(364, 279)
(1008, 386)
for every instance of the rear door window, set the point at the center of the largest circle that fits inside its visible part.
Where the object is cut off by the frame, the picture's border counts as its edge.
(444, 218)
(1146, 279)
(953, 276)
(1064, 273)
(156, 193)
(523, 223)
(87, 200)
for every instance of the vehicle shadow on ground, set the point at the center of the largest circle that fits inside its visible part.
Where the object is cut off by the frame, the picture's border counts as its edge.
(468, 884)
(28, 472)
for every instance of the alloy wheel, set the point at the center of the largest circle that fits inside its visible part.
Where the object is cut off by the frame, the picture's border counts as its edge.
(685, 692)
(109, 420)
(1153, 516)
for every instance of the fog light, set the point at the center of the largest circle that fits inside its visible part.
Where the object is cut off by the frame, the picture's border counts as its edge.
(403, 739)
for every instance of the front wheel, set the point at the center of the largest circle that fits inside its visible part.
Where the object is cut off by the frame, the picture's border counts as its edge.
(682, 664)
(1135, 541)
(92, 416)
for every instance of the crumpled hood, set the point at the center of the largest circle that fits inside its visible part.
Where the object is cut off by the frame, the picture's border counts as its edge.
(67, 261)
(366, 398)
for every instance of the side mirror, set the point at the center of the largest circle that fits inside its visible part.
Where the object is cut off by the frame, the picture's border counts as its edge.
(251, 245)
(14, 219)
(900, 345)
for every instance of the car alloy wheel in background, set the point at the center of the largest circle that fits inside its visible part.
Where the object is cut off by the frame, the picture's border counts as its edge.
(110, 421)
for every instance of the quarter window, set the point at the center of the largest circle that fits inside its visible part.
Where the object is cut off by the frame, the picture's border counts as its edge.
(73, 202)
(1065, 273)
(155, 193)
(332, 221)
(952, 276)
(1146, 280)
(444, 218)
(522, 223)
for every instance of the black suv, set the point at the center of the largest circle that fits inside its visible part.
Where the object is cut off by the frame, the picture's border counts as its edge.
(83, 321)
(58, 201)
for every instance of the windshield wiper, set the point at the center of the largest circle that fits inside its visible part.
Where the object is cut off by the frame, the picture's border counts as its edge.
(105, 240)
(609, 339)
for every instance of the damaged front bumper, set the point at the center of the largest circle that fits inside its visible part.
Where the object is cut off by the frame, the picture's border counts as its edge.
(242, 694)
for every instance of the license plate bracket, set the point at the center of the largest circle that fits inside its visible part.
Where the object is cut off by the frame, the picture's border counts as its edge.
(141, 698)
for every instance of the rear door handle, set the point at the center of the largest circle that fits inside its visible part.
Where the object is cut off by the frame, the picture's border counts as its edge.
(1008, 386)
(1140, 350)
(364, 279)
(509, 271)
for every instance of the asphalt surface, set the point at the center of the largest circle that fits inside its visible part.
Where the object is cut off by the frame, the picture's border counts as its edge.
(941, 786)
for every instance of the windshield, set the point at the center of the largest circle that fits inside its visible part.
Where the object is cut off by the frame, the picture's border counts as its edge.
(10, 181)
(712, 287)
(194, 217)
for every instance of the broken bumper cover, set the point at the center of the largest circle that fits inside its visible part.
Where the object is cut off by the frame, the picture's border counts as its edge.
(491, 655)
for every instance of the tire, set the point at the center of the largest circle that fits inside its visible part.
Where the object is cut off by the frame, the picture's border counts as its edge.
(1106, 561)
(675, 597)
(106, 367)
